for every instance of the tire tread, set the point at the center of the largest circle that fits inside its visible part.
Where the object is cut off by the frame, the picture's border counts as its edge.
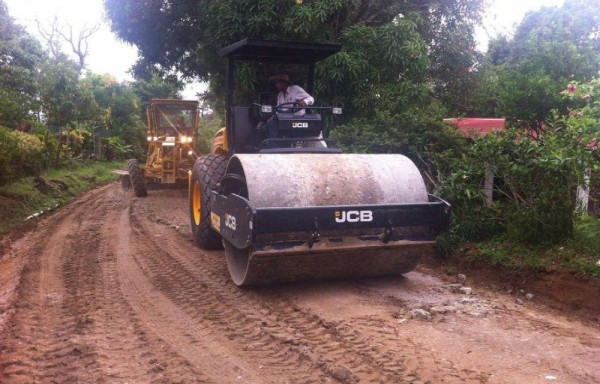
(208, 170)
(137, 178)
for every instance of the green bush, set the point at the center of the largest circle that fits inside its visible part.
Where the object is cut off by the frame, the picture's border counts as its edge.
(28, 159)
(81, 144)
(50, 147)
(21, 154)
(536, 181)
(118, 150)
(7, 143)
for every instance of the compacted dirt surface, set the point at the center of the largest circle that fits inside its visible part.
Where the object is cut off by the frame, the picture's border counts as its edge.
(112, 289)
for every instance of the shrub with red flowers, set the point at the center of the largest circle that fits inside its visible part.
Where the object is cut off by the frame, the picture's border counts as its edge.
(584, 123)
(584, 119)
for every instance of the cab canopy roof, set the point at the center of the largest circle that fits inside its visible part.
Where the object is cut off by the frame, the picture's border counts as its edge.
(278, 51)
(176, 102)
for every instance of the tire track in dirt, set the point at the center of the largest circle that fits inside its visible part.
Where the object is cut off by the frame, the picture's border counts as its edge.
(10, 272)
(413, 355)
(70, 324)
(167, 320)
(271, 322)
(45, 325)
(113, 290)
(206, 293)
(376, 342)
(126, 352)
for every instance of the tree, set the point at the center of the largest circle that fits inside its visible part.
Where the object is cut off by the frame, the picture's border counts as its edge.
(63, 96)
(155, 87)
(551, 48)
(20, 59)
(448, 30)
(55, 35)
(400, 39)
(123, 117)
(185, 35)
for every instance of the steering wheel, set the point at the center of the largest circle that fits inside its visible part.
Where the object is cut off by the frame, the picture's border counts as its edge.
(290, 106)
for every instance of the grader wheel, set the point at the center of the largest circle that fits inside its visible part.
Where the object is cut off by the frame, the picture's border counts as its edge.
(137, 178)
(206, 174)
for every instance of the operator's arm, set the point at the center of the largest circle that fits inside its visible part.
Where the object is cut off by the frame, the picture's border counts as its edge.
(302, 97)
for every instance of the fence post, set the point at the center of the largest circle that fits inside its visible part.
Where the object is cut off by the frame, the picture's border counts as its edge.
(583, 193)
(488, 186)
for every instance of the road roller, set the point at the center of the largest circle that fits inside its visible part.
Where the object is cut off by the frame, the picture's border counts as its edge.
(289, 205)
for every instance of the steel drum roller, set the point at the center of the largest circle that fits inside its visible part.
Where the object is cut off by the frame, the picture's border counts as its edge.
(306, 180)
(302, 180)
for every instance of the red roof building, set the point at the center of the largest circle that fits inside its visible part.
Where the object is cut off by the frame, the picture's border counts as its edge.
(474, 127)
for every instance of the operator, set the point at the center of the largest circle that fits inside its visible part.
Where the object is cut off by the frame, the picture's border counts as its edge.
(288, 93)
(291, 93)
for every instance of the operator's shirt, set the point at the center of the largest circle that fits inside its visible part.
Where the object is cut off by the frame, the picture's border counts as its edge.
(296, 94)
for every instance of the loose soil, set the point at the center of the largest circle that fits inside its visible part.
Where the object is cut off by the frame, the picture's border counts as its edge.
(111, 289)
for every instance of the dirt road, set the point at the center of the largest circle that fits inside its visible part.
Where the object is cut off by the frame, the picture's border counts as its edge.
(111, 289)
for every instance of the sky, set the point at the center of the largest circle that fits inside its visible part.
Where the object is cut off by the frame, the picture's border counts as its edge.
(107, 54)
(503, 16)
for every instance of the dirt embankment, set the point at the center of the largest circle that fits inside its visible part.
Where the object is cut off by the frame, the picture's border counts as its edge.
(111, 289)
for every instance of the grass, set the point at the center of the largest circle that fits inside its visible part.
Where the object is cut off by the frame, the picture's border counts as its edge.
(34, 195)
(580, 253)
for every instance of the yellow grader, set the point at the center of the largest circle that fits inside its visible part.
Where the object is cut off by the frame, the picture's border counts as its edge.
(171, 135)
(293, 207)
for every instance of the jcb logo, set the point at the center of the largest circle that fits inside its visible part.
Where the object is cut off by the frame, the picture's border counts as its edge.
(230, 222)
(353, 216)
(296, 124)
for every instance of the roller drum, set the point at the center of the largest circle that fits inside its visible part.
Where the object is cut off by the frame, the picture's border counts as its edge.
(303, 180)
(312, 180)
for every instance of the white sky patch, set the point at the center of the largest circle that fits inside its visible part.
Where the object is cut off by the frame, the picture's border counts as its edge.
(503, 16)
(106, 54)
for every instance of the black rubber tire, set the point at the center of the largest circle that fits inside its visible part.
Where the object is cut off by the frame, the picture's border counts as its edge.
(137, 178)
(206, 174)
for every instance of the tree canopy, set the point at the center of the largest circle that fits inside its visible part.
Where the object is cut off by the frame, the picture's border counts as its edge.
(551, 47)
(390, 47)
(20, 56)
(60, 106)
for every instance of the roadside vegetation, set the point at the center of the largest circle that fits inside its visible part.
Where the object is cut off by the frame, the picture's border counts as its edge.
(33, 196)
(579, 253)
(403, 68)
